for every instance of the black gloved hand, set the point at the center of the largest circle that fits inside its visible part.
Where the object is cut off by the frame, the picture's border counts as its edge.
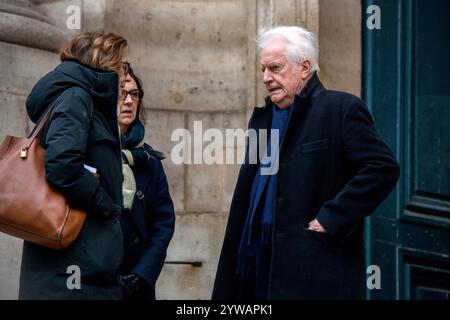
(105, 208)
(115, 213)
(131, 284)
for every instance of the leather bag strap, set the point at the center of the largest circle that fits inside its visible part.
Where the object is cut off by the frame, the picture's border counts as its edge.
(37, 130)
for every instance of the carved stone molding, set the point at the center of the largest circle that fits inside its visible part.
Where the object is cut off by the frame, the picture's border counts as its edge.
(304, 13)
(22, 23)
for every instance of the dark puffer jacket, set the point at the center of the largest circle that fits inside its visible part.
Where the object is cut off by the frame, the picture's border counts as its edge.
(82, 130)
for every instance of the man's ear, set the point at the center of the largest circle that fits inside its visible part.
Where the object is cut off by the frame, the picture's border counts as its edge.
(305, 69)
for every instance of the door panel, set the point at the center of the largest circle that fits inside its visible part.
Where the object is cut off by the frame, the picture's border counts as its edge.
(405, 81)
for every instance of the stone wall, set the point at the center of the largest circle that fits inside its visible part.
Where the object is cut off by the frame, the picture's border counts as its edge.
(29, 40)
(340, 45)
(198, 62)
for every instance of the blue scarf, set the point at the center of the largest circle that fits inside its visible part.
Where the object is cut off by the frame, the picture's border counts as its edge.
(254, 256)
(132, 140)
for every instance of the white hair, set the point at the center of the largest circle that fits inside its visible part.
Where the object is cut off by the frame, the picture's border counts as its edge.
(301, 43)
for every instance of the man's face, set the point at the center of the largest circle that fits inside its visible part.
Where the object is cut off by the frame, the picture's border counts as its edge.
(128, 103)
(283, 79)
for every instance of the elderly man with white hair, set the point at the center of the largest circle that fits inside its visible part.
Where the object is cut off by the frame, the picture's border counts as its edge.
(298, 234)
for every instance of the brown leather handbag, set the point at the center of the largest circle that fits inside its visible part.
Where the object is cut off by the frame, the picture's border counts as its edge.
(30, 208)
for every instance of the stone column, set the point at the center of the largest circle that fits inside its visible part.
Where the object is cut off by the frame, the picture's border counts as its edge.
(29, 41)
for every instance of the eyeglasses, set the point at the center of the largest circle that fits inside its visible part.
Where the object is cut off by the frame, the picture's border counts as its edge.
(135, 94)
(126, 67)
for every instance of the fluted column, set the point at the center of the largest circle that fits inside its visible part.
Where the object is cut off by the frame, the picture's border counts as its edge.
(28, 42)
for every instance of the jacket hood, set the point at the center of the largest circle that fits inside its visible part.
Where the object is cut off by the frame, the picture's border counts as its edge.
(102, 85)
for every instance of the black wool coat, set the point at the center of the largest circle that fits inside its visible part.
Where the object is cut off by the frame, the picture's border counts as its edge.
(333, 166)
(149, 226)
(82, 130)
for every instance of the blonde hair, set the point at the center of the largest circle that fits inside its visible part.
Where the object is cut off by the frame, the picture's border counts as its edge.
(99, 50)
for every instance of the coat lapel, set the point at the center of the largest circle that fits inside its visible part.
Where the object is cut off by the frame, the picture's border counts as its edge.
(300, 107)
(138, 216)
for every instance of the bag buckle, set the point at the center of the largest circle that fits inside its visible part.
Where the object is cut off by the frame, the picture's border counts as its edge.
(23, 152)
(140, 195)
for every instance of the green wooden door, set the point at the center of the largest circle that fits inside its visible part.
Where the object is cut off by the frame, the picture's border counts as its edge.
(406, 81)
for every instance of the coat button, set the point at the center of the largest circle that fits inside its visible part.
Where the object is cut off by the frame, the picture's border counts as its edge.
(136, 239)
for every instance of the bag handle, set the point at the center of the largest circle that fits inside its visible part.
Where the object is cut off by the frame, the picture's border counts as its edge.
(36, 132)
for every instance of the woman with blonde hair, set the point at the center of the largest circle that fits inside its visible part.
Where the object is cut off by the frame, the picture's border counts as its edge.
(81, 138)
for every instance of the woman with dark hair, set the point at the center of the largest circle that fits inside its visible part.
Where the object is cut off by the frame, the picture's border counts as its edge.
(148, 219)
(81, 136)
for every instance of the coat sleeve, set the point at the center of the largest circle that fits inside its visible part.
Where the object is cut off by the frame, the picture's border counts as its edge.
(375, 169)
(65, 141)
(161, 224)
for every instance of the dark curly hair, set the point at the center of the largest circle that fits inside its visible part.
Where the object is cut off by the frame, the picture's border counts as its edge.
(141, 114)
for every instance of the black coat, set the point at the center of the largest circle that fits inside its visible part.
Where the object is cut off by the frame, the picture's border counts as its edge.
(149, 226)
(334, 166)
(82, 131)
